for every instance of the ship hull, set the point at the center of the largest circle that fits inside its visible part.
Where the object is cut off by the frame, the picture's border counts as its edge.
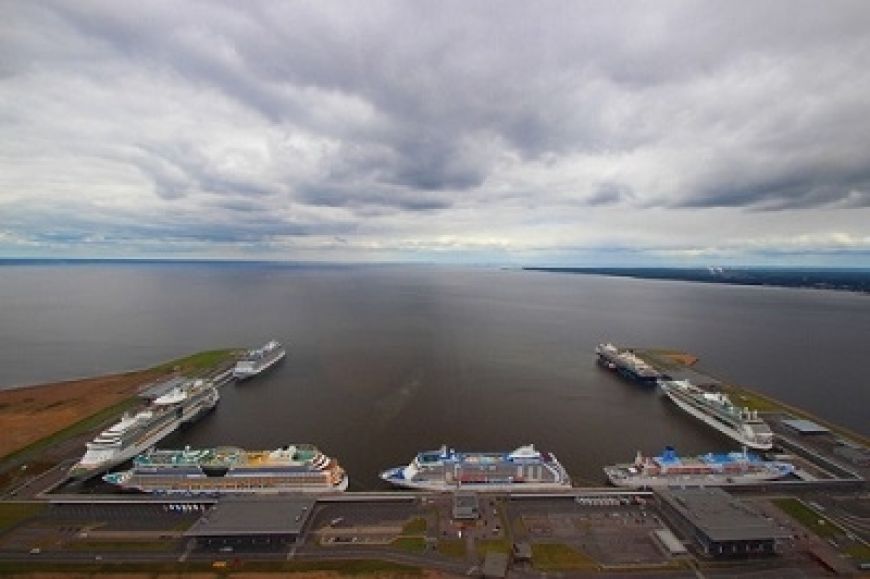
(393, 476)
(241, 375)
(647, 482)
(721, 427)
(214, 491)
(614, 364)
(84, 472)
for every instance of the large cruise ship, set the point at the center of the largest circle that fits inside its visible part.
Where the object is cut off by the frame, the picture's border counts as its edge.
(716, 410)
(260, 360)
(524, 469)
(136, 432)
(229, 470)
(733, 468)
(627, 364)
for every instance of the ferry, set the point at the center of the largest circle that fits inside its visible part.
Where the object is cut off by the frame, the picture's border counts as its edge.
(524, 469)
(715, 409)
(298, 468)
(711, 469)
(627, 364)
(137, 432)
(257, 361)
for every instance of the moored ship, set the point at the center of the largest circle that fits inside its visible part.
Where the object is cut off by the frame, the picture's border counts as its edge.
(524, 469)
(229, 470)
(257, 361)
(136, 432)
(715, 409)
(627, 364)
(668, 469)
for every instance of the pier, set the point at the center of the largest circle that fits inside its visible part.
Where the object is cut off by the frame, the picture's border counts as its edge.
(595, 531)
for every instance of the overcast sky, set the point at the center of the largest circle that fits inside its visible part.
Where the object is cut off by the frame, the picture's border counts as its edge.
(499, 132)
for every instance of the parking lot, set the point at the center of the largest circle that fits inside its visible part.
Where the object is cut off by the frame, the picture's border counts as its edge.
(606, 529)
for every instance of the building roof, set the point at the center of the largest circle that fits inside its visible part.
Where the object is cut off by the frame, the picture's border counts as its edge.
(719, 516)
(495, 564)
(253, 516)
(522, 550)
(670, 541)
(465, 505)
(805, 426)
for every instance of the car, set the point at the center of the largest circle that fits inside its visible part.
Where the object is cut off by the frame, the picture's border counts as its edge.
(336, 521)
(226, 549)
(35, 551)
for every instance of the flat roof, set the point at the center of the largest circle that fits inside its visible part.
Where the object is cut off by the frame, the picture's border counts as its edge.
(495, 564)
(719, 516)
(805, 426)
(670, 541)
(253, 516)
(465, 505)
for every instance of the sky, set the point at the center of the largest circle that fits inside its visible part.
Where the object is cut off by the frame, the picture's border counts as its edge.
(510, 132)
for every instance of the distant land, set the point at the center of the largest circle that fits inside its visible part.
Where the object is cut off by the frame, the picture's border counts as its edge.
(854, 280)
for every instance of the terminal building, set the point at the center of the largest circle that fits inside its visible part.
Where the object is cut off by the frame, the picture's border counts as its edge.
(252, 523)
(717, 524)
(466, 506)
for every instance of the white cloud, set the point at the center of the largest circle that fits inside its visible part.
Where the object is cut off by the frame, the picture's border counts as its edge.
(557, 132)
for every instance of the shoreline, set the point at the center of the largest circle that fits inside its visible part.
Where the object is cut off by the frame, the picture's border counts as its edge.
(741, 277)
(750, 397)
(34, 414)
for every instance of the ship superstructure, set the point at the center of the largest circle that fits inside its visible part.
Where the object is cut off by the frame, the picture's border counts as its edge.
(136, 432)
(256, 361)
(230, 470)
(445, 469)
(715, 409)
(627, 364)
(714, 469)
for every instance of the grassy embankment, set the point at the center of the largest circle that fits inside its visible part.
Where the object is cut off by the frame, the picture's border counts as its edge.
(174, 570)
(412, 538)
(13, 513)
(810, 519)
(666, 360)
(454, 548)
(39, 418)
(559, 557)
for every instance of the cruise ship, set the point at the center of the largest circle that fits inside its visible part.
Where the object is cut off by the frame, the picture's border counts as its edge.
(715, 409)
(524, 469)
(627, 364)
(733, 468)
(256, 361)
(230, 470)
(136, 432)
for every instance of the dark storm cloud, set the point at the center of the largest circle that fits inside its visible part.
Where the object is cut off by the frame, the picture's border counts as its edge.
(378, 113)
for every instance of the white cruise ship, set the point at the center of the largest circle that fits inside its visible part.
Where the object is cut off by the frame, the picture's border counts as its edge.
(256, 361)
(715, 409)
(137, 432)
(524, 469)
(297, 468)
(711, 469)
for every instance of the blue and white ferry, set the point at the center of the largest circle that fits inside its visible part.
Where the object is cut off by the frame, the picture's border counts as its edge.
(524, 469)
(711, 469)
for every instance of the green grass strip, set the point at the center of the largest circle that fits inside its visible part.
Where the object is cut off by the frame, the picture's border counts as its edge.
(13, 513)
(810, 519)
(555, 556)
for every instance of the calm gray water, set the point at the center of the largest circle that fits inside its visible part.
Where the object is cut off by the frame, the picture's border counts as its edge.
(385, 361)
